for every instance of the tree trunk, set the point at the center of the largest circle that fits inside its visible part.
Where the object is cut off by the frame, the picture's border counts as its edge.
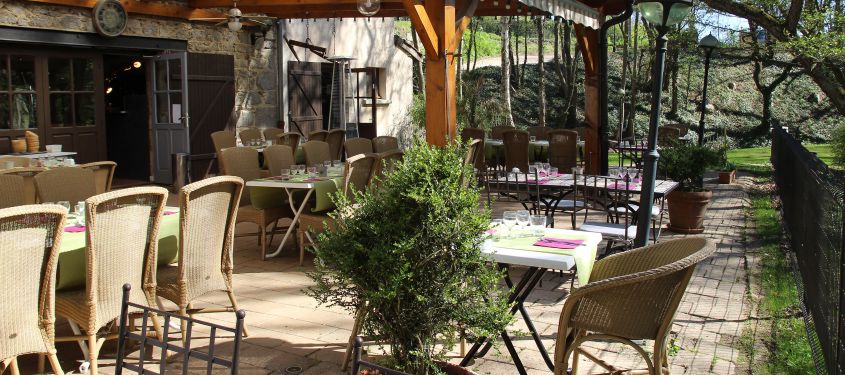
(673, 108)
(541, 72)
(557, 61)
(524, 56)
(506, 69)
(418, 65)
(623, 79)
(515, 57)
(635, 76)
(458, 87)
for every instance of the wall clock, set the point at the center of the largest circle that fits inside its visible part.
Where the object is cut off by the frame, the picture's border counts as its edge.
(109, 18)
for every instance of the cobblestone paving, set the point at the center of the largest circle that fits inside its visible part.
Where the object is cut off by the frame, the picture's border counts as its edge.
(288, 329)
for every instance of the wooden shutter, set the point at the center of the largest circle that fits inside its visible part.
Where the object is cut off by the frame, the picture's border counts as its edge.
(305, 96)
(211, 96)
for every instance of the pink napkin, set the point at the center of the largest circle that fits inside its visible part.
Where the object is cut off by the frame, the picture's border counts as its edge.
(491, 232)
(558, 243)
(168, 212)
(541, 182)
(622, 186)
(75, 228)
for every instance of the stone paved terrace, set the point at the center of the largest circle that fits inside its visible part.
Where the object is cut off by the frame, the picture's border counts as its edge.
(288, 329)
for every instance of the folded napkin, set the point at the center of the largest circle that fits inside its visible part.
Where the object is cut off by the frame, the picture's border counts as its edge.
(169, 212)
(490, 232)
(632, 186)
(75, 228)
(558, 243)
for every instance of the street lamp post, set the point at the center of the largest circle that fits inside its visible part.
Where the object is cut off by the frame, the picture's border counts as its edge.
(708, 44)
(662, 14)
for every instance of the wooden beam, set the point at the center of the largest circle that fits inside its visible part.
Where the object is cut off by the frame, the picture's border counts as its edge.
(423, 26)
(146, 8)
(588, 43)
(307, 14)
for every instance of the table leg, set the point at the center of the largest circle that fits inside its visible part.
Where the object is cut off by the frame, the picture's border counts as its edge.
(297, 211)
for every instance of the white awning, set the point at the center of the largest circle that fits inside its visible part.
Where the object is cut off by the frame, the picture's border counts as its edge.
(570, 10)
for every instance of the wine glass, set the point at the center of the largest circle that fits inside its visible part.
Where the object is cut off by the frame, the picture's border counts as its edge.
(65, 204)
(80, 213)
(285, 173)
(312, 172)
(523, 219)
(496, 228)
(509, 219)
(538, 225)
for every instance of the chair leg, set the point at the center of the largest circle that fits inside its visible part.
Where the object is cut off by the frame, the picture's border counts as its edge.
(93, 354)
(235, 307)
(262, 240)
(183, 311)
(14, 366)
(54, 363)
(273, 232)
(76, 331)
(300, 235)
(40, 367)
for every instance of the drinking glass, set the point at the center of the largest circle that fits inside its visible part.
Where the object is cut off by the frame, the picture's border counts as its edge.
(523, 219)
(327, 164)
(336, 163)
(312, 172)
(65, 204)
(538, 225)
(496, 228)
(509, 219)
(285, 173)
(80, 213)
(553, 171)
(547, 168)
(532, 138)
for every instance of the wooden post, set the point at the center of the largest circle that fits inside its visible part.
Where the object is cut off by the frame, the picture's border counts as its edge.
(440, 27)
(588, 41)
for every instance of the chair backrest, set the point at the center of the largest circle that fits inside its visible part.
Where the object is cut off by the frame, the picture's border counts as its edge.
(316, 152)
(241, 162)
(278, 157)
(541, 132)
(223, 139)
(289, 139)
(471, 133)
(122, 247)
(385, 143)
(683, 129)
(72, 184)
(507, 186)
(19, 161)
(12, 191)
(335, 140)
(563, 149)
(667, 136)
(272, 134)
(356, 146)
(318, 135)
(387, 160)
(473, 148)
(103, 174)
(358, 172)
(250, 135)
(206, 228)
(516, 149)
(28, 174)
(30, 237)
(497, 131)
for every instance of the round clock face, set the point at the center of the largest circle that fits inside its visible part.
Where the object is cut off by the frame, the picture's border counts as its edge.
(109, 17)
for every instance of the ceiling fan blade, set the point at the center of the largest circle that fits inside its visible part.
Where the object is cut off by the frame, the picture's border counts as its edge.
(221, 23)
(261, 18)
(250, 19)
(207, 19)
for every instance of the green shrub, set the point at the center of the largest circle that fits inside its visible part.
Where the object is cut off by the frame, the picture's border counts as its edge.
(838, 145)
(410, 255)
(686, 165)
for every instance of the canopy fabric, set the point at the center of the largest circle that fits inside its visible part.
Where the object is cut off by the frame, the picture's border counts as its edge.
(569, 10)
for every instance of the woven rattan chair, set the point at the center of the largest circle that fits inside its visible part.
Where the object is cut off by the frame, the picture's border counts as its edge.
(318, 135)
(683, 129)
(121, 247)
(563, 149)
(222, 139)
(19, 161)
(289, 139)
(612, 196)
(272, 134)
(475, 133)
(630, 296)
(316, 152)
(384, 144)
(278, 157)
(250, 135)
(357, 146)
(541, 132)
(103, 174)
(243, 162)
(516, 149)
(70, 184)
(387, 162)
(12, 192)
(357, 174)
(30, 237)
(335, 140)
(208, 210)
(496, 132)
(668, 136)
(28, 174)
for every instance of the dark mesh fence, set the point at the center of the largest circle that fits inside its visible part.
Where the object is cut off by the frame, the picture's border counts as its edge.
(812, 206)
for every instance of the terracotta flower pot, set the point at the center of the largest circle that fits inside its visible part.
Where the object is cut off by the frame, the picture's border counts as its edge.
(686, 211)
(727, 177)
(448, 368)
(18, 146)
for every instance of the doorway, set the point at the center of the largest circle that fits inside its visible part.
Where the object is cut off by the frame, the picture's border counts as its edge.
(127, 118)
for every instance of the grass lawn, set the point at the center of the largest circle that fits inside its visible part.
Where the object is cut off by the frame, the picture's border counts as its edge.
(758, 157)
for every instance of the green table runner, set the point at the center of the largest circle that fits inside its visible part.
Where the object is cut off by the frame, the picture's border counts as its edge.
(585, 255)
(497, 152)
(264, 197)
(72, 262)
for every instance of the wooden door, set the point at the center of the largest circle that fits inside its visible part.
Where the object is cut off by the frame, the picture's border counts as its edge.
(305, 97)
(211, 95)
(168, 112)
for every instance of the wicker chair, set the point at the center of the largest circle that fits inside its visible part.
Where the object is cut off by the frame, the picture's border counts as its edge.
(70, 184)
(541, 132)
(12, 191)
(30, 237)
(222, 139)
(563, 149)
(335, 140)
(357, 175)
(278, 157)
(289, 139)
(516, 149)
(630, 296)
(667, 136)
(122, 247)
(272, 134)
(103, 174)
(357, 146)
(206, 229)
(385, 143)
(318, 135)
(19, 161)
(613, 196)
(316, 152)
(249, 135)
(496, 132)
(476, 133)
(259, 209)
(28, 174)
(387, 161)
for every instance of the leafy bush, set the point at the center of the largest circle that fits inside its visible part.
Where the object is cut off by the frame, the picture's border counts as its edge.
(838, 145)
(686, 164)
(409, 254)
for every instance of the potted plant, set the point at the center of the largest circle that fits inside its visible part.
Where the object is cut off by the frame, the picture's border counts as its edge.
(727, 170)
(409, 254)
(686, 165)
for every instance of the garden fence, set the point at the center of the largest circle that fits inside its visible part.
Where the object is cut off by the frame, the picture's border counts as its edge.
(813, 209)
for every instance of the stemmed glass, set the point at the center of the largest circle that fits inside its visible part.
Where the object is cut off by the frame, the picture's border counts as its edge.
(522, 219)
(509, 219)
(80, 213)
